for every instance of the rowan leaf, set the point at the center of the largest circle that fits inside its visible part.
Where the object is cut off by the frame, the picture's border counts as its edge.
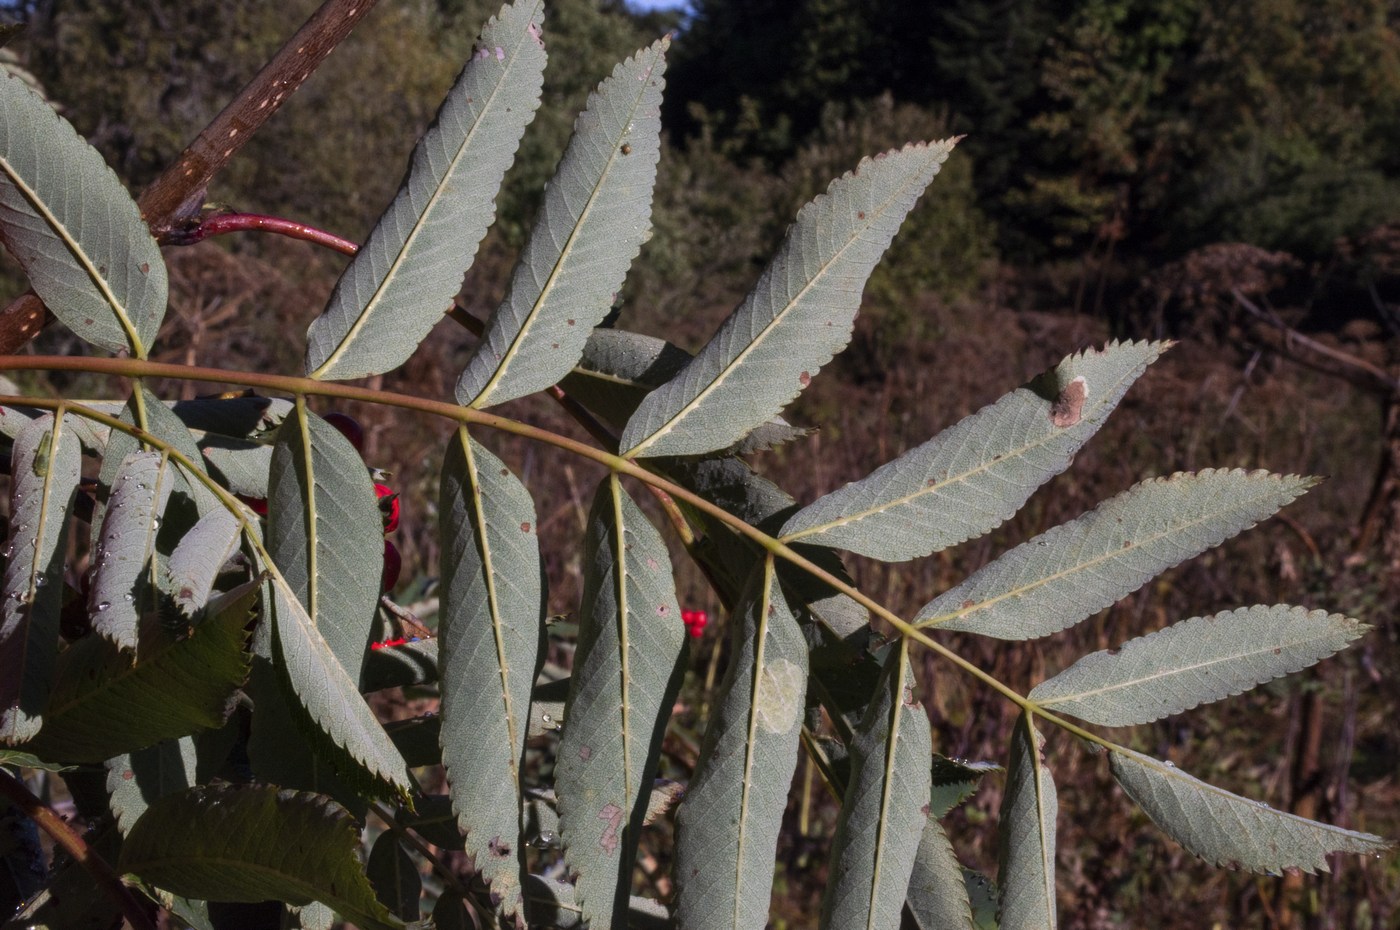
(976, 474)
(938, 898)
(625, 677)
(74, 229)
(727, 826)
(1026, 841)
(491, 615)
(1075, 570)
(885, 808)
(254, 843)
(595, 216)
(123, 585)
(1195, 662)
(199, 557)
(45, 468)
(797, 317)
(403, 279)
(1227, 830)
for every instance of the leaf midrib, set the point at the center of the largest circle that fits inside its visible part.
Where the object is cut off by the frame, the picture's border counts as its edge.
(757, 341)
(759, 650)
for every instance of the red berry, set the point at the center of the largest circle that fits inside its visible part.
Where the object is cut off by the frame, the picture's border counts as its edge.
(349, 427)
(695, 622)
(388, 506)
(393, 564)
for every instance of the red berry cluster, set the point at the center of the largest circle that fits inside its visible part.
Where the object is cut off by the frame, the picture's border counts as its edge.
(695, 621)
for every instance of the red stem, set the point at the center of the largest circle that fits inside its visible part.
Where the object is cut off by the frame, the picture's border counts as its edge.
(241, 222)
(70, 842)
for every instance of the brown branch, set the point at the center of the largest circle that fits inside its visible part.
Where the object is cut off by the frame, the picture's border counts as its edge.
(179, 191)
(70, 842)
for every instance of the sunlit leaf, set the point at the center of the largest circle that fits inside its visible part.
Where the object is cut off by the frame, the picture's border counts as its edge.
(797, 317)
(885, 808)
(728, 823)
(976, 474)
(1026, 837)
(490, 620)
(404, 277)
(44, 472)
(74, 229)
(254, 843)
(1228, 830)
(625, 676)
(1075, 570)
(1195, 662)
(595, 216)
(200, 556)
(123, 589)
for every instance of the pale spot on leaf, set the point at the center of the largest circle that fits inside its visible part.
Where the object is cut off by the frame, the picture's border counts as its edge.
(778, 698)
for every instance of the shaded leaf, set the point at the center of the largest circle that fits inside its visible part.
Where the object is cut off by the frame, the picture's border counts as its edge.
(976, 474)
(394, 876)
(68, 901)
(1026, 839)
(885, 807)
(411, 663)
(180, 684)
(123, 590)
(551, 903)
(1075, 570)
(44, 471)
(404, 277)
(253, 843)
(135, 779)
(728, 823)
(797, 317)
(1195, 662)
(74, 229)
(954, 781)
(489, 626)
(938, 898)
(595, 216)
(625, 677)
(1227, 830)
(325, 533)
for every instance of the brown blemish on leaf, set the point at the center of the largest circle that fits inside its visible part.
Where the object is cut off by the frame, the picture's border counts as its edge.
(498, 847)
(626, 149)
(585, 753)
(612, 815)
(1068, 407)
(663, 610)
(804, 379)
(1127, 544)
(525, 527)
(968, 604)
(145, 267)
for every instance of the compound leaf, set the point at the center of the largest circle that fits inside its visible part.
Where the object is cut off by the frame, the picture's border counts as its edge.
(254, 843)
(976, 474)
(885, 808)
(727, 826)
(123, 589)
(1074, 570)
(1226, 829)
(404, 278)
(1195, 662)
(325, 533)
(45, 468)
(595, 216)
(1027, 835)
(797, 317)
(493, 603)
(626, 673)
(74, 229)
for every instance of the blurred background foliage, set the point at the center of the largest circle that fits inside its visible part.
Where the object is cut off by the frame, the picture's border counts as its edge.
(1131, 169)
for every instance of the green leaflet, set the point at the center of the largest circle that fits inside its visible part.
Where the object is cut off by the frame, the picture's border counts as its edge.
(976, 474)
(123, 589)
(254, 843)
(728, 824)
(1195, 662)
(625, 676)
(551, 903)
(74, 229)
(595, 216)
(797, 317)
(1227, 830)
(135, 779)
(1075, 570)
(325, 534)
(938, 898)
(328, 707)
(1026, 837)
(44, 468)
(885, 807)
(404, 278)
(199, 556)
(493, 603)
(178, 685)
